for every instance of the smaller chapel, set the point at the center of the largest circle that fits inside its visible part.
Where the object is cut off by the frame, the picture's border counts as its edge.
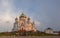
(24, 23)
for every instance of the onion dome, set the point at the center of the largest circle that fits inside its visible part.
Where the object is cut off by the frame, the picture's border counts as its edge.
(16, 18)
(28, 18)
(49, 29)
(22, 15)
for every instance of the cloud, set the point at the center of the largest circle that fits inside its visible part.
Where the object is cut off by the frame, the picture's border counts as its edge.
(6, 15)
(37, 22)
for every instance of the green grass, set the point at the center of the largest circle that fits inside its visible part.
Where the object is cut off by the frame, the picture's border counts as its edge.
(29, 34)
(41, 34)
(5, 34)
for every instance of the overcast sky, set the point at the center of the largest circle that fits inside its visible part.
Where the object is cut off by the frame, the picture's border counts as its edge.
(45, 13)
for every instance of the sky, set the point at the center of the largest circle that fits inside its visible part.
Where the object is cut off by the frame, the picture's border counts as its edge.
(45, 13)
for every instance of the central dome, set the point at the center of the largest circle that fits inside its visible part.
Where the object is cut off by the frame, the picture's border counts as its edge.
(22, 15)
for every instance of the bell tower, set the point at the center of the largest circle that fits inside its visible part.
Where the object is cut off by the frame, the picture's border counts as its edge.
(15, 27)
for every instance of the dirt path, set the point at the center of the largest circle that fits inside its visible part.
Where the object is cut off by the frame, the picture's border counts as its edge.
(29, 36)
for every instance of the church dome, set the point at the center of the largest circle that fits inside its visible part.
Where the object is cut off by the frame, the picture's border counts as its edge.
(16, 18)
(28, 18)
(22, 15)
(49, 29)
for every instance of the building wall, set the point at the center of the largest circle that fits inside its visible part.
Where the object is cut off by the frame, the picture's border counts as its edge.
(49, 31)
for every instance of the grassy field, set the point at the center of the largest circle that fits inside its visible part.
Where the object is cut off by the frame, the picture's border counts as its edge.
(28, 34)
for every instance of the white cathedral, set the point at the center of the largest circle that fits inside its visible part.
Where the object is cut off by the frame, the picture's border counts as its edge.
(24, 23)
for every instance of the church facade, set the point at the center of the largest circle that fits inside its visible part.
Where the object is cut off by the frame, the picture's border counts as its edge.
(23, 23)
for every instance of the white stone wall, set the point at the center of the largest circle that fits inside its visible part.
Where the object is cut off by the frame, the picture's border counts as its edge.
(49, 31)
